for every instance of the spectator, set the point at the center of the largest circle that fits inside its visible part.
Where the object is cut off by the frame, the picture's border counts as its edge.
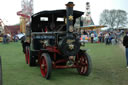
(15, 38)
(118, 34)
(92, 37)
(85, 33)
(125, 43)
(107, 38)
(113, 36)
(4, 38)
(100, 38)
(110, 38)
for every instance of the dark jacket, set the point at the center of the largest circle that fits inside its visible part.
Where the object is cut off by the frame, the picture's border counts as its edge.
(125, 41)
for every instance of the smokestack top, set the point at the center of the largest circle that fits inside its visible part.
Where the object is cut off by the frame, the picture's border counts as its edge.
(70, 4)
(87, 3)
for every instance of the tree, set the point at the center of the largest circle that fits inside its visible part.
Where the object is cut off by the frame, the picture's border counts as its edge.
(113, 18)
(104, 17)
(121, 18)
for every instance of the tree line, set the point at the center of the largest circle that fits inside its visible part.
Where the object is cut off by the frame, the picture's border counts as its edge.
(114, 18)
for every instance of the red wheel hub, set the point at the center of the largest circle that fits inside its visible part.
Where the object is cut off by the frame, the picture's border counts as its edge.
(43, 66)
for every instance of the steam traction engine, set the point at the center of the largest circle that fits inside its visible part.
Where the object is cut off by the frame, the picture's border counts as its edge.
(51, 42)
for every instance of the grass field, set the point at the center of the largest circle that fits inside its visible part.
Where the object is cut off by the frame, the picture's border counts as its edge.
(108, 68)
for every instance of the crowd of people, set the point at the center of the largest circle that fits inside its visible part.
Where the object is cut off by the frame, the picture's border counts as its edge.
(6, 38)
(106, 37)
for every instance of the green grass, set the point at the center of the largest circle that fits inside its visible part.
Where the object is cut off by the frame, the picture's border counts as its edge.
(108, 68)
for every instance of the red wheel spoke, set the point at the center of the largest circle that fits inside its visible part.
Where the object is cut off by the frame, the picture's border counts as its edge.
(45, 70)
(43, 61)
(85, 69)
(43, 66)
(82, 69)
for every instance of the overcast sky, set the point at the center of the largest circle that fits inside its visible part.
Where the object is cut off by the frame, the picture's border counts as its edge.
(8, 8)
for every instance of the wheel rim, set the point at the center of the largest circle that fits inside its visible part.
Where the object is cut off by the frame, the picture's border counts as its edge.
(82, 63)
(43, 66)
(26, 55)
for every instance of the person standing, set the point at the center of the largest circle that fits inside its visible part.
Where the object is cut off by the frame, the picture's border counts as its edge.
(107, 38)
(125, 43)
(4, 38)
(118, 34)
(92, 37)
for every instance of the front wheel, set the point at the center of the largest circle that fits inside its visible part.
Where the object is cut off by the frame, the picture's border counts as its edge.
(45, 65)
(83, 61)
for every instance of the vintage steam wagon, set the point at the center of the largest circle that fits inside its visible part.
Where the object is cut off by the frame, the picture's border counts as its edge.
(52, 42)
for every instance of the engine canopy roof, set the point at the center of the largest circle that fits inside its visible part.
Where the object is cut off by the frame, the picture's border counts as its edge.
(57, 13)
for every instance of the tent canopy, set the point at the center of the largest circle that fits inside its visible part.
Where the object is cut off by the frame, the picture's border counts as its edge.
(91, 27)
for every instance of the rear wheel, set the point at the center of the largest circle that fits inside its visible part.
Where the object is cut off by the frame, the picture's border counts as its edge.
(83, 61)
(45, 65)
(26, 54)
(31, 58)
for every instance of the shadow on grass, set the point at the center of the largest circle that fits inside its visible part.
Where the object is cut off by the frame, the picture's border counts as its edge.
(65, 74)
